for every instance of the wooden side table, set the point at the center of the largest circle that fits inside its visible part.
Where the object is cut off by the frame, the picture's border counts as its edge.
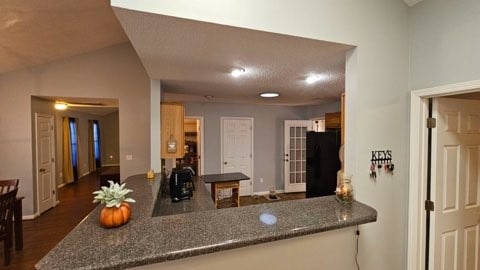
(234, 185)
(224, 181)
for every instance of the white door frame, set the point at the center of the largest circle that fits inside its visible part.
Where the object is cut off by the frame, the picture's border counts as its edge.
(251, 149)
(55, 201)
(202, 141)
(417, 174)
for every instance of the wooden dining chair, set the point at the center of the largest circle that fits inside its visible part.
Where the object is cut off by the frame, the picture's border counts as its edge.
(7, 201)
(7, 185)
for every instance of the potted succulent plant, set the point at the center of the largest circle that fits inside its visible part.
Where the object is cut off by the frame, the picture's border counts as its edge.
(117, 210)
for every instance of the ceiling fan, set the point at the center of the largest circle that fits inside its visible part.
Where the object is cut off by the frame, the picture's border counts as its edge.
(63, 105)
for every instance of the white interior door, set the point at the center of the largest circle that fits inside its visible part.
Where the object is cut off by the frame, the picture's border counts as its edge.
(237, 149)
(295, 154)
(45, 162)
(456, 188)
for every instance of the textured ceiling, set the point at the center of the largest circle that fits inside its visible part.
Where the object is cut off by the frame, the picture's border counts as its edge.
(35, 32)
(193, 59)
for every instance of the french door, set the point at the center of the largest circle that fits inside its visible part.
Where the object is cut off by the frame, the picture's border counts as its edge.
(295, 154)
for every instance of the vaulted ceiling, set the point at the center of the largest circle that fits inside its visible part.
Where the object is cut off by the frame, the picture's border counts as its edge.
(38, 32)
(192, 63)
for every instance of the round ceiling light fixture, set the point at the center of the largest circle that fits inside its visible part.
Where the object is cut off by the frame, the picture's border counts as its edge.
(237, 72)
(314, 78)
(269, 94)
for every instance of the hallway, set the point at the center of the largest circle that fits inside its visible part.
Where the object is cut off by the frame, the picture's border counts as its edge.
(43, 233)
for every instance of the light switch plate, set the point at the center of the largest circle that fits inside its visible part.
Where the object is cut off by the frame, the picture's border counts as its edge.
(129, 157)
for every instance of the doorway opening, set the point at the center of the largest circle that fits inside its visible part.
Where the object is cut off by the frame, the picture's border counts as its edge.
(90, 129)
(193, 133)
(417, 231)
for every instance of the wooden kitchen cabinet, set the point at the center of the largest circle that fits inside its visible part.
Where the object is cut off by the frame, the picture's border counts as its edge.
(333, 120)
(172, 129)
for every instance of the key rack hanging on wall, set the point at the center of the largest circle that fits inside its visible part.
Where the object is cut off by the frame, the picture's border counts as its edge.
(381, 159)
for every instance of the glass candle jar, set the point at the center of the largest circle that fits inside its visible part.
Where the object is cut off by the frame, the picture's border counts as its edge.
(345, 191)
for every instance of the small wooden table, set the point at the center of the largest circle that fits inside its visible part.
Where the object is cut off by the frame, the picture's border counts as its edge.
(223, 181)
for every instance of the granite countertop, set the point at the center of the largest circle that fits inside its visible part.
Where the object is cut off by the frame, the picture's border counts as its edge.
(147, 240)
(200, 201)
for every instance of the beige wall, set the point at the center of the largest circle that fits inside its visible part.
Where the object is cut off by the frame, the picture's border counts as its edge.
(114, 72)
(312, 252)
(109, 131)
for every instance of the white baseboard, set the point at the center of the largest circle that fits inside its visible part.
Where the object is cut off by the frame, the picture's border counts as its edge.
(61, 185)
(34, 216)
(109, 165)
(261, 193)
(30, 217)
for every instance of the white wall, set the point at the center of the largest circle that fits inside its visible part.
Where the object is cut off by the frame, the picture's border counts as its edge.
(376, 93)
(444, 42)
(114, 72)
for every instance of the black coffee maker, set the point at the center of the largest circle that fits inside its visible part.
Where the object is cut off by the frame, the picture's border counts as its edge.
(181, 184)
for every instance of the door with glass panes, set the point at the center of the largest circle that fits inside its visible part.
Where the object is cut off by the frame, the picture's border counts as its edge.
(294, 158)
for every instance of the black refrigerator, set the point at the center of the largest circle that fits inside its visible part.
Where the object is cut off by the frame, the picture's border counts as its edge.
(323, 163)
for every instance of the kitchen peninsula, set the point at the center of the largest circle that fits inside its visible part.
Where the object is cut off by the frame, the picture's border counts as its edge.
(195, 230)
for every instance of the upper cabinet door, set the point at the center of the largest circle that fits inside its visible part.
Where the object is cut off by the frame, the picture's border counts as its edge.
(172, 131)
(333, 120)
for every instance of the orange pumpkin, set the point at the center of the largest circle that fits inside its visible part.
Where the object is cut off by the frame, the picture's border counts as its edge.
(112, 217)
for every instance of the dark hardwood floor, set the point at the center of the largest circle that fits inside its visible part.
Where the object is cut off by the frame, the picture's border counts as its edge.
(43, 233)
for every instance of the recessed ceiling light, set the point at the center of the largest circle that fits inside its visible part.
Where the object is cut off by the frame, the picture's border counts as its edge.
(237, 72)
(314, 78)
(61, 106)
(269, 94)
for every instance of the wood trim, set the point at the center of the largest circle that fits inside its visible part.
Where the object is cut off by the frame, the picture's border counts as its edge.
(342, 119)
